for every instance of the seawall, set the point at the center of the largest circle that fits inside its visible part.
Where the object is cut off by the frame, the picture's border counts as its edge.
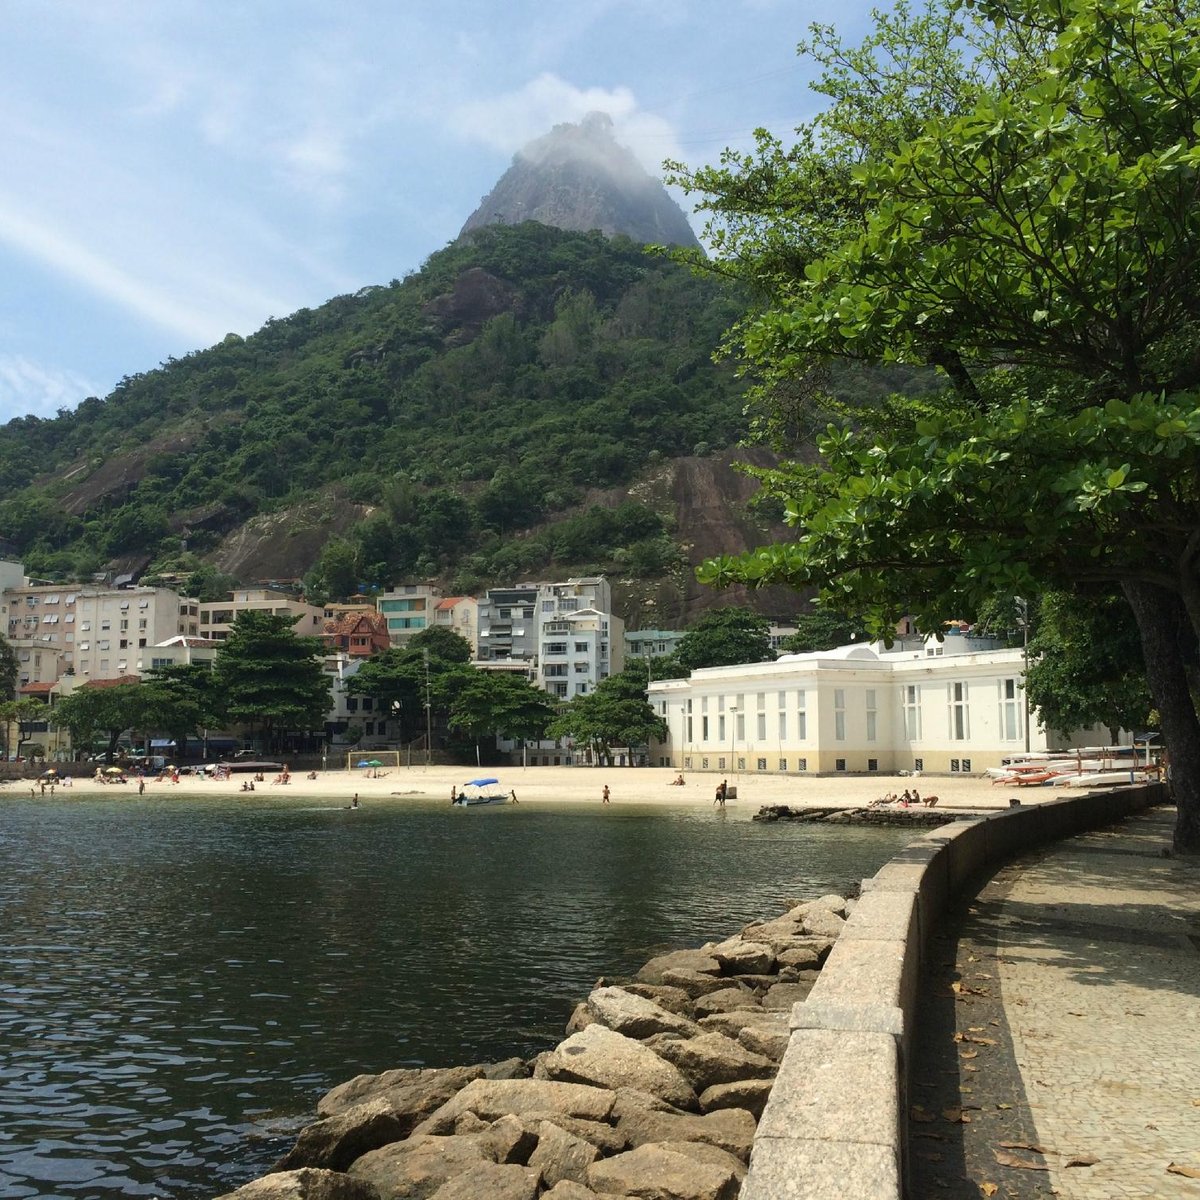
(834, 1123)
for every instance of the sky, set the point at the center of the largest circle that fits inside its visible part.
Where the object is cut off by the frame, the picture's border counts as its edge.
(176, 170)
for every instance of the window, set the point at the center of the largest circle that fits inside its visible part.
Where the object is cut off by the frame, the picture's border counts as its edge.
(960, 724)
(721, 728)
(954, 766)
(918, 764)
(581, 647)
(555, 670)
(560, 689)
(912, 712)
(689, 730)
(554, 648)
(352, 704)
(839, 717)
(802, 764)
(782, 725)
(581, 668)
(762, 725)
(839, 764)
(872, 764)
(105, 625)
(704, 729)
(801, 717)
(687, 762)
(872, 714)
(124, 624)
(966, 765)
(1010, 719)
(86, 626)
(741, 764)
(104, 644)
(547, 606)
(783, 764)
(721, 763)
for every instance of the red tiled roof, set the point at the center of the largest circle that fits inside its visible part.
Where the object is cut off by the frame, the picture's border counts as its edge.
(450, 602)
(36, 689)
(107, 683)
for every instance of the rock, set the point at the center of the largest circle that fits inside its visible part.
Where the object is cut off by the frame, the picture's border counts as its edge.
(758, 984)
(738, 956)
(771, 1041)
(604, 1058)
(581, 1018)
(468, 1122)
(405, 1089)
(565, 1189)
(732, 1023)
(507, 1140)
(803, 957)
(750, 1094)
(337, 1141)
(820, 922)
(713, 1058)
(642, 1120)
(492, 1099)
(783, 995)
(702, 1152)
(417, 1167)
(308, 1183)
(674, 999)
(560, 1155)
(509, 1068)
(779, 934)
(831, 903)
(684, 960)
(727, 999)
(655, 1173)
(635, 1016)
(695, 983)
(604, 1137)
(496, 1181)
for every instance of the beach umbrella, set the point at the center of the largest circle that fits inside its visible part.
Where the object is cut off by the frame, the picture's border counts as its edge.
(374, 763)
(364, 763)
(113, 771)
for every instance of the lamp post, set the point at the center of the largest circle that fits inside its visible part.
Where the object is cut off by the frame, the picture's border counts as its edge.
(428, 715)
(1023, 610)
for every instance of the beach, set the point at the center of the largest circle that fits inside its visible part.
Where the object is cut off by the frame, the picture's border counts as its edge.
(584, 785)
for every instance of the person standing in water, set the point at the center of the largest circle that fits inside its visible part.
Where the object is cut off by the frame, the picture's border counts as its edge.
(604, 795)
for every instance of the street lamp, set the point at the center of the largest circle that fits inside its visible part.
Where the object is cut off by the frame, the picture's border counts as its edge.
(1023, 611)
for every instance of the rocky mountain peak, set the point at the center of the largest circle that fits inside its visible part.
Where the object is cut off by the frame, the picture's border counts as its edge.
(579, 177)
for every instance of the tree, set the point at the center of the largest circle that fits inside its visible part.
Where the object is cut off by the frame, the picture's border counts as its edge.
(499, 703)
(1038, 242)
(91, 710)
(10, 670)
(821, 630)
(1085, 665)
(268, 678)
(615, 714)
(178, 700)
(723, 637)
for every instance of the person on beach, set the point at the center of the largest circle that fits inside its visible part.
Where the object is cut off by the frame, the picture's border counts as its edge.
(604, 795)
(454, 793)
(354, 803)
(141, 785)
(513, 794)
(677, 781)
(722, 792)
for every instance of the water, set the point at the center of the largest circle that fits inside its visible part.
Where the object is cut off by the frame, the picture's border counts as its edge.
(181, 978)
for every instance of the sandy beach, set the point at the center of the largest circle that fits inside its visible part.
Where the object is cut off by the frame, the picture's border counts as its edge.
(583, 785)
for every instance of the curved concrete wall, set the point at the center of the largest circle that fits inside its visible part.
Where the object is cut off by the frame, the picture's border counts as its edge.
(834, 1125)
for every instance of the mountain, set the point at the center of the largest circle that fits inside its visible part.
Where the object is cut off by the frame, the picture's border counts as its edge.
(577, 177)
(532, 402)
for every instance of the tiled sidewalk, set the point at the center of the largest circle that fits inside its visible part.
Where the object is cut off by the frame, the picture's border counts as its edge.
(1062, 1017)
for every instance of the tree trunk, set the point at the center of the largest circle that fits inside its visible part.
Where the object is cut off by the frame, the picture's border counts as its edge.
(1166, 633)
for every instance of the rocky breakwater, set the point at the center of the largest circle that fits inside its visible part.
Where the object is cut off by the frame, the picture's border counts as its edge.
(655, 1092)
(859, 816)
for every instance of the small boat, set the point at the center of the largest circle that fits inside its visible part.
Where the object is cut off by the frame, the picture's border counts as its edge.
(1105, 779)
(480, 791)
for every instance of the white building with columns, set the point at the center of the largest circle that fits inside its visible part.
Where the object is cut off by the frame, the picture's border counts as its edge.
(937, 707)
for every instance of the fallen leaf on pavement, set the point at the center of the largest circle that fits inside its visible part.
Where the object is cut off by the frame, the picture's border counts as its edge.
(970, 1054)
(1004, 1106)
(1186, 1172)
(917, 1113)
(988, 1189)
(1015, 1160)
(1082, 1160)
(956, 1116)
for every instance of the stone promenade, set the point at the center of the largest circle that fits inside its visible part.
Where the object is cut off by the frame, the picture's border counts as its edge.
(1058, 1048)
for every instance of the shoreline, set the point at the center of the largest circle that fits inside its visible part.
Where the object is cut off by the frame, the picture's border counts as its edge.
(579, 786)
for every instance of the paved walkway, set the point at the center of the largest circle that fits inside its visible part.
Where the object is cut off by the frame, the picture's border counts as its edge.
(1058, 1053)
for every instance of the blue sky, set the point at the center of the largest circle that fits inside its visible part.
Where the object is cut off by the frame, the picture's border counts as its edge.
(178, 169)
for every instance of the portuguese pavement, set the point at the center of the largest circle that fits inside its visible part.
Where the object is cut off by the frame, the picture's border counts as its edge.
(1057, 1050)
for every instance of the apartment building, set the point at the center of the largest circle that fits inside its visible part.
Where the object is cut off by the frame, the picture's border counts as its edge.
(217, 617)
(508, 624)
(460, 614)
(651, 643)
(93, 632)
(408, 608)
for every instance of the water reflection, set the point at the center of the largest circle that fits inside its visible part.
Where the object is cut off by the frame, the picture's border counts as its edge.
(182, 978)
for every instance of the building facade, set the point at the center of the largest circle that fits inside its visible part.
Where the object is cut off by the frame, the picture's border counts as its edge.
(459, 614)
(216, 617)
(408, 608)
(939, 708)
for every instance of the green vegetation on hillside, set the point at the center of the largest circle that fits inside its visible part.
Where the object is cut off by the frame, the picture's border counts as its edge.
(466, 404)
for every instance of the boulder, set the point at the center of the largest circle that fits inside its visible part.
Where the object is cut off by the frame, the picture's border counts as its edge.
(727, 999)
(821, 922)
(581, 1018)
(674, 999)
(603, 1136)
(655, 1173)
(492, 1099)
(702, 1152)
(560, 1155)
(565, 1189)
(417, 1167)
(732, 1023)
(636, 1016)
(337, 1141)
(783, 995)
(771, 1041)
(805, 957)
(684, 960)
(695, 983)
(496, 1181)
(308, 1183)
(641, 1119)
(604, 1058)
(507, 1140)
(750, 1094)
(832, 903)
(779, 934)
(713, 1058)
(738, 956)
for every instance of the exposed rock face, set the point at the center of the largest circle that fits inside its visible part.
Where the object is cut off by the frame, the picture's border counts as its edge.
(578, 177)
(309, 1183)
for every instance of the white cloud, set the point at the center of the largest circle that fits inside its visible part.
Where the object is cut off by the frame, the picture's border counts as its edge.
(27, 387)
(508, 121)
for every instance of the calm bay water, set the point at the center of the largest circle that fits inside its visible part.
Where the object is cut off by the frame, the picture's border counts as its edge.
(181, 978)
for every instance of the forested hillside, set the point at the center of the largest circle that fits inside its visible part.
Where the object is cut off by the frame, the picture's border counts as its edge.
(436, 416)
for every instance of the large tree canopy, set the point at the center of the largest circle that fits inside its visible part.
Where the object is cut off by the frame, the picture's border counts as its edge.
(1036, 238)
